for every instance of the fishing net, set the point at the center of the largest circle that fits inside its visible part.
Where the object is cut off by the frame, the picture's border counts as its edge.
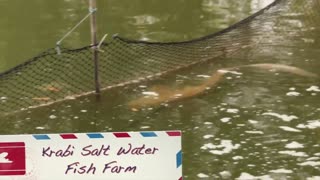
(51, 77)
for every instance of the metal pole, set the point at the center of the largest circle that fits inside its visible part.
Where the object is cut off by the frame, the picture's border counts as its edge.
(93, 27)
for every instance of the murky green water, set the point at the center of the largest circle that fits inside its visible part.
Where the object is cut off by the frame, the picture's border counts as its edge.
(257, 122)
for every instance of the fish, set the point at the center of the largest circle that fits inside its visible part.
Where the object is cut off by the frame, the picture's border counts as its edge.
(278, 68)
(41, 98)
(52, 88)
(165, 94)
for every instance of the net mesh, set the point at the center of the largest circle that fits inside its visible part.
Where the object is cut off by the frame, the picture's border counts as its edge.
(51, 77)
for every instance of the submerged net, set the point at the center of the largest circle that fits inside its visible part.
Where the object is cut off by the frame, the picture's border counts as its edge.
(52, 77)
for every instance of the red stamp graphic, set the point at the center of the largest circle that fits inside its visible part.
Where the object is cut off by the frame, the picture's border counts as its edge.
(12, 158)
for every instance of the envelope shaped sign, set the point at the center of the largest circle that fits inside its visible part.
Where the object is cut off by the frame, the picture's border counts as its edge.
(12, 158)
(148, 155)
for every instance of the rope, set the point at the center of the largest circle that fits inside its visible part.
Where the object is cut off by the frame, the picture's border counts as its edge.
(101, 41)
(91, 11)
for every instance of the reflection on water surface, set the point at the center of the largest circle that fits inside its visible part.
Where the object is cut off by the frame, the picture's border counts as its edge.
(253, 124)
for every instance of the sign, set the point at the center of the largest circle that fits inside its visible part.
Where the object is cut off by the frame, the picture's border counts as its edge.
(115, 156)
(12, 158)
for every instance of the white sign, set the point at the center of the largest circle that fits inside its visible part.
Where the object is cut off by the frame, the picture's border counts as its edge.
(115, 156)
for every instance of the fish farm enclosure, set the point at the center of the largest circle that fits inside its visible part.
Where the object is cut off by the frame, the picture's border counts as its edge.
(255, 123)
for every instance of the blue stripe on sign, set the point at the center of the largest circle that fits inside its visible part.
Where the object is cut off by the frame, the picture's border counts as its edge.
(179, 159)
(95, 135)
(148, 134)
(41, 137)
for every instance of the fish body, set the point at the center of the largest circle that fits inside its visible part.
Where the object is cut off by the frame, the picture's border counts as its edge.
(41, 99)
(279, 68)
(52, 89)
(166, 94)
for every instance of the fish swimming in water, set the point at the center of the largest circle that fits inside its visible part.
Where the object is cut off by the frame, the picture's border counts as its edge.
(278, 68)
(41, 98)
(164, 94)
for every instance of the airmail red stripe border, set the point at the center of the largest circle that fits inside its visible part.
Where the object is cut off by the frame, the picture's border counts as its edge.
(174, 133)
(121, 135)
(68, 136)
(145, 134)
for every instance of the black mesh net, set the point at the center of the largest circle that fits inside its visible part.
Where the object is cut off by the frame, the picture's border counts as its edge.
(52, 77)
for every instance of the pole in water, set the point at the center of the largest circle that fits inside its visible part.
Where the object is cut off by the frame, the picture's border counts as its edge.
(93, 27)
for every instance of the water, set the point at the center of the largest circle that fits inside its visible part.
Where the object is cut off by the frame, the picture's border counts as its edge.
(256, 123)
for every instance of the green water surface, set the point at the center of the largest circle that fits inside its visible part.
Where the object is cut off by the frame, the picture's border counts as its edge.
(261, 123)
